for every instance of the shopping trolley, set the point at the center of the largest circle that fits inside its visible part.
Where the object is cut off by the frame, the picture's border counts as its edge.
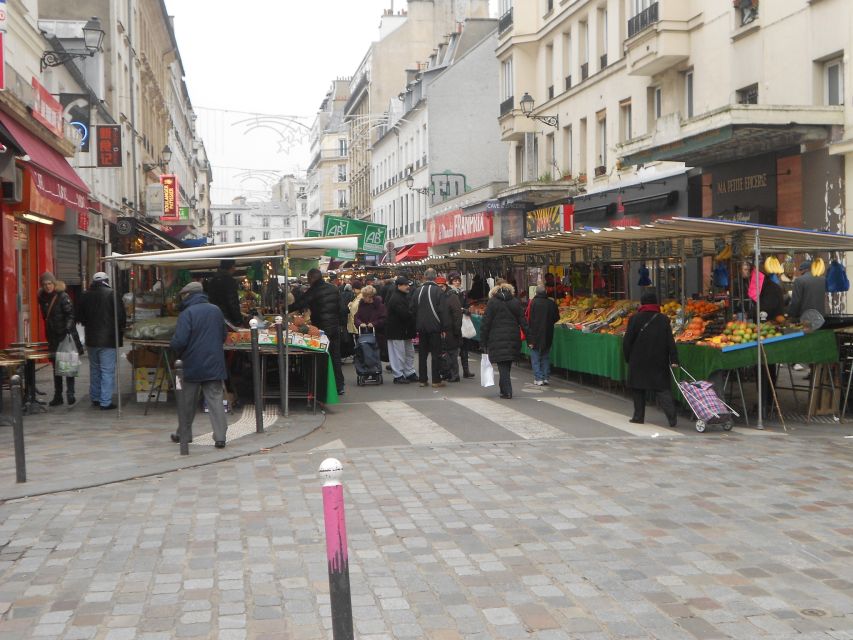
(705, 404)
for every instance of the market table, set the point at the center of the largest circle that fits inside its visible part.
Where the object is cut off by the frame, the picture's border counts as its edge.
(597, 354)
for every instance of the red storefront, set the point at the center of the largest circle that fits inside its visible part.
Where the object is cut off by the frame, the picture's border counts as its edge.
(459, 229)
(39, 189)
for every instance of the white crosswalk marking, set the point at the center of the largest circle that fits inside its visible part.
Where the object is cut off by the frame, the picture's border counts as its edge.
(610, 418)
(333, 445)
(411, 423)
(518, 423)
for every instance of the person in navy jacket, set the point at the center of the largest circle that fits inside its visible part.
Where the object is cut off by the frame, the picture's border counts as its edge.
(198, 342)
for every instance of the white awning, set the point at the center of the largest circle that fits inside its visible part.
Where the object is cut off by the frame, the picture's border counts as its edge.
(240, 252)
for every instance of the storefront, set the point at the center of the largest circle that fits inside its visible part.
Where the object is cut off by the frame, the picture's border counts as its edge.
(78, 248)
(460, 229)
(40, 189)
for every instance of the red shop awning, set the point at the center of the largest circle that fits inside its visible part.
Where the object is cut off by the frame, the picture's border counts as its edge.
(416, 251)
(51, 174)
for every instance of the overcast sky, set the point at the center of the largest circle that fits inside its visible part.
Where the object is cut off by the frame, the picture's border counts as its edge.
(271, 57)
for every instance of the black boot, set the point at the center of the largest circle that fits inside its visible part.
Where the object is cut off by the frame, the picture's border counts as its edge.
(69, 392)
(57, 392)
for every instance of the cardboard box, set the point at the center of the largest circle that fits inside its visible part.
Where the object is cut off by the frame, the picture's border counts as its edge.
(146, 378)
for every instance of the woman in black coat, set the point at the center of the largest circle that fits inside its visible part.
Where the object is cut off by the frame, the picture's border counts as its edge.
(500, 335)
(650, 352)
(58, 313)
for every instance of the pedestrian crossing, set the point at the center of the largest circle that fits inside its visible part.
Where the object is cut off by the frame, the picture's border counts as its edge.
(413, 425)
(513, 421)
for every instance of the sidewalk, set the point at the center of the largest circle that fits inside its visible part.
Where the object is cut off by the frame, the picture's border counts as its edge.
(78, 447)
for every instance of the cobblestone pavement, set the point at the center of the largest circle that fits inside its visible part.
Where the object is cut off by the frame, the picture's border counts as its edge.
(586, 538)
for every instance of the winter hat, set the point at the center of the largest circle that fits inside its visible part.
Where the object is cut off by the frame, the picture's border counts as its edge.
(100, 277)
(805, 266)
(357, 284)
(441, 280)
(401, 280)
(192, 287)
(47, 276)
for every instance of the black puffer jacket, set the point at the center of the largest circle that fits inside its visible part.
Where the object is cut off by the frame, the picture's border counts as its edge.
(429, 307)
(324, 302)
(499, 331)
(222, 291)
(97, 313)
(58, 313)
(400, 324)
(453, 338)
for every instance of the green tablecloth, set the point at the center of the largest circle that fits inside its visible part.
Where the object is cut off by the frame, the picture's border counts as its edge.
(601, 354)
(814, 348)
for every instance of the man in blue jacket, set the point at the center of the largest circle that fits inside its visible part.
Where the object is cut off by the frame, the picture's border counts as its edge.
(198, 341)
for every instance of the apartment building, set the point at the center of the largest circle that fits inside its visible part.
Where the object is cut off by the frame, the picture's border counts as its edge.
(406, 39)
(680, 107)
(328, 170)
(285, 215)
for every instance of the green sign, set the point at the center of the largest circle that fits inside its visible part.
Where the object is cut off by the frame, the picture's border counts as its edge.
(337, 254)
(371, 235)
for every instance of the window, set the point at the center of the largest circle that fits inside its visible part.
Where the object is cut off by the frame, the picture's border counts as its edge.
(625, 131)
(658, 102)
(602, 38)
(342, 173)
(535, 157)
(266, 235)
(748, 95)
(567, 60)
(748, 10)
(567, 150)
(342, 198)
(238, 236)
(601, 141)
(342, 147)
(223, 236)
(833, 82)
(504, 6)
(238, 219)
(551, 158)
(688, 93)
(549, 70)
(582, 135)
(265, 221)
(223, 219)
(506, 79)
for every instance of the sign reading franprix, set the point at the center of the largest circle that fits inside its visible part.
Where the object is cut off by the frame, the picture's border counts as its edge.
(170, 196)
(456, 226)
(371, 235)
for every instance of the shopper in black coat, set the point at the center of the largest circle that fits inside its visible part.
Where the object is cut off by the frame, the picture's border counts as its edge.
(500, 332)
(650, 352)
(541, 317)
(429, 307)
(453, 335)
(57, 310)
(222, 291)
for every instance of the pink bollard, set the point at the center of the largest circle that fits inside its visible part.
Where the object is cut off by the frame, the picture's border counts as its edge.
(336, 549)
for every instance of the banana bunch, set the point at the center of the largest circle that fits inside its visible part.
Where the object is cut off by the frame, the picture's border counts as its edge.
(773, 266)
(725, 254)
(818, 267)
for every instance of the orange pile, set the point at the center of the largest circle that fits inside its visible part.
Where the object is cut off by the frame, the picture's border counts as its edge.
(701, 308)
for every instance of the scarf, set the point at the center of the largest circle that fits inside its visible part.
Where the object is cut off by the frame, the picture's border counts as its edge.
(654, 308)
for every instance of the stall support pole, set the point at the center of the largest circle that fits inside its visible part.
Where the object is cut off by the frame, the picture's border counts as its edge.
(18, 429)
(116, 302)
(759, 421)
(256, 377)
(183, 409)
(286, 398)
(282, 380)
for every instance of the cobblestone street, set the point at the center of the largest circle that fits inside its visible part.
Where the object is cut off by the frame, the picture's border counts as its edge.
(589, 538)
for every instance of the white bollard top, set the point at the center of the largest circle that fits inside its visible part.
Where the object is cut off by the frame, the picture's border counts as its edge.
(331, 470)
(279, 319)
(253, 323)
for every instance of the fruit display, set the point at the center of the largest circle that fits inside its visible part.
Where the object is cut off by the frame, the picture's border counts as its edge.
(693, 330)
(742, 333)
(702, 308)
(671, 308)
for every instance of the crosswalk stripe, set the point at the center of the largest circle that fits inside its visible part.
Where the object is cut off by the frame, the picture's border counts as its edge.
(610, 418)
(411, 423)
(333, 445)
(518, 423)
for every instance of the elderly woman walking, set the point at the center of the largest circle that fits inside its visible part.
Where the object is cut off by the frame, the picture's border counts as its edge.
(500, 332)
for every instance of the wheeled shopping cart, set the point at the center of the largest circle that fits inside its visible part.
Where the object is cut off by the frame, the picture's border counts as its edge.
(367, 360)
(705, 404)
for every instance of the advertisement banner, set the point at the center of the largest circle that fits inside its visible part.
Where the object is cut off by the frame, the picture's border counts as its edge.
(371, 235)
(170, 196)
(544, 221)
(109, 145)
(456, 226)
(46, 109)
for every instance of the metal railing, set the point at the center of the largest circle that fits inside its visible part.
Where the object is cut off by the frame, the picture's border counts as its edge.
(507, 105)
(584, 71)
(505, 21)
(568, 82)
(643, 20)
(603, 61)
(550, 92)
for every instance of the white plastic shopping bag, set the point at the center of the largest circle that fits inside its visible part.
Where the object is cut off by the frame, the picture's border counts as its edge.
(468, 330)
(487, 373)
(67, 358)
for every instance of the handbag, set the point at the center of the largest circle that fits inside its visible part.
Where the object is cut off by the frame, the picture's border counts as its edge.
(487, 372)
(67, 358)
(468, 329)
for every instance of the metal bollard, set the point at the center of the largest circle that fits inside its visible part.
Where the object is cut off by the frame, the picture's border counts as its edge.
(336, 549)
(282, 373)
(183, 432)
(256, 377)
(18, 429)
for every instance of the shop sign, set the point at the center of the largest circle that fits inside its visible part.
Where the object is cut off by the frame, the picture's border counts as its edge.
(544, 221)
(371, 235)
(2, 16)
(512, 227)
(745, 190)
(109, 145)
(83, 221)
(46, 109)
(170, 196)
(456, 226)
(154, 200)
(58, 191)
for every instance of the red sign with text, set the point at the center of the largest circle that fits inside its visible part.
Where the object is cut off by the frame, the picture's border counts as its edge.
(108, 143)
(2, 58)
(170, 196)
(456, 226)
(46, 109)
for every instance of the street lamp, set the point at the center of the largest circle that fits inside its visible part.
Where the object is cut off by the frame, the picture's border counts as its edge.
(527, 105)
(93, 38)
(163, 162)
(410, 182)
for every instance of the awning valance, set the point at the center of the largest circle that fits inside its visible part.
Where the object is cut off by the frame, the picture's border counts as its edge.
(50, 172)
(416, 251)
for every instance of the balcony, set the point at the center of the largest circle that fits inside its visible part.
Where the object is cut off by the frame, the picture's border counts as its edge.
(659, 38)
(505, 22)
(568, 82)
(507, 106)
(643, 20)
(584, 71)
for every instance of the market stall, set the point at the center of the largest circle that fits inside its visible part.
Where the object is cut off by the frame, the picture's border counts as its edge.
(299, 338)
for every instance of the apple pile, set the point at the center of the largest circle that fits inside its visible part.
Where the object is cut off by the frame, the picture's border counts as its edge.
(740, 333)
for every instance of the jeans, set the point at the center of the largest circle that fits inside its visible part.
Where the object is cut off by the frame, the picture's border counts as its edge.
(401, 354)
(665, 400)
(430, 344)
(541, 362)
(102, 374)
(212, 391)
(505, 381)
